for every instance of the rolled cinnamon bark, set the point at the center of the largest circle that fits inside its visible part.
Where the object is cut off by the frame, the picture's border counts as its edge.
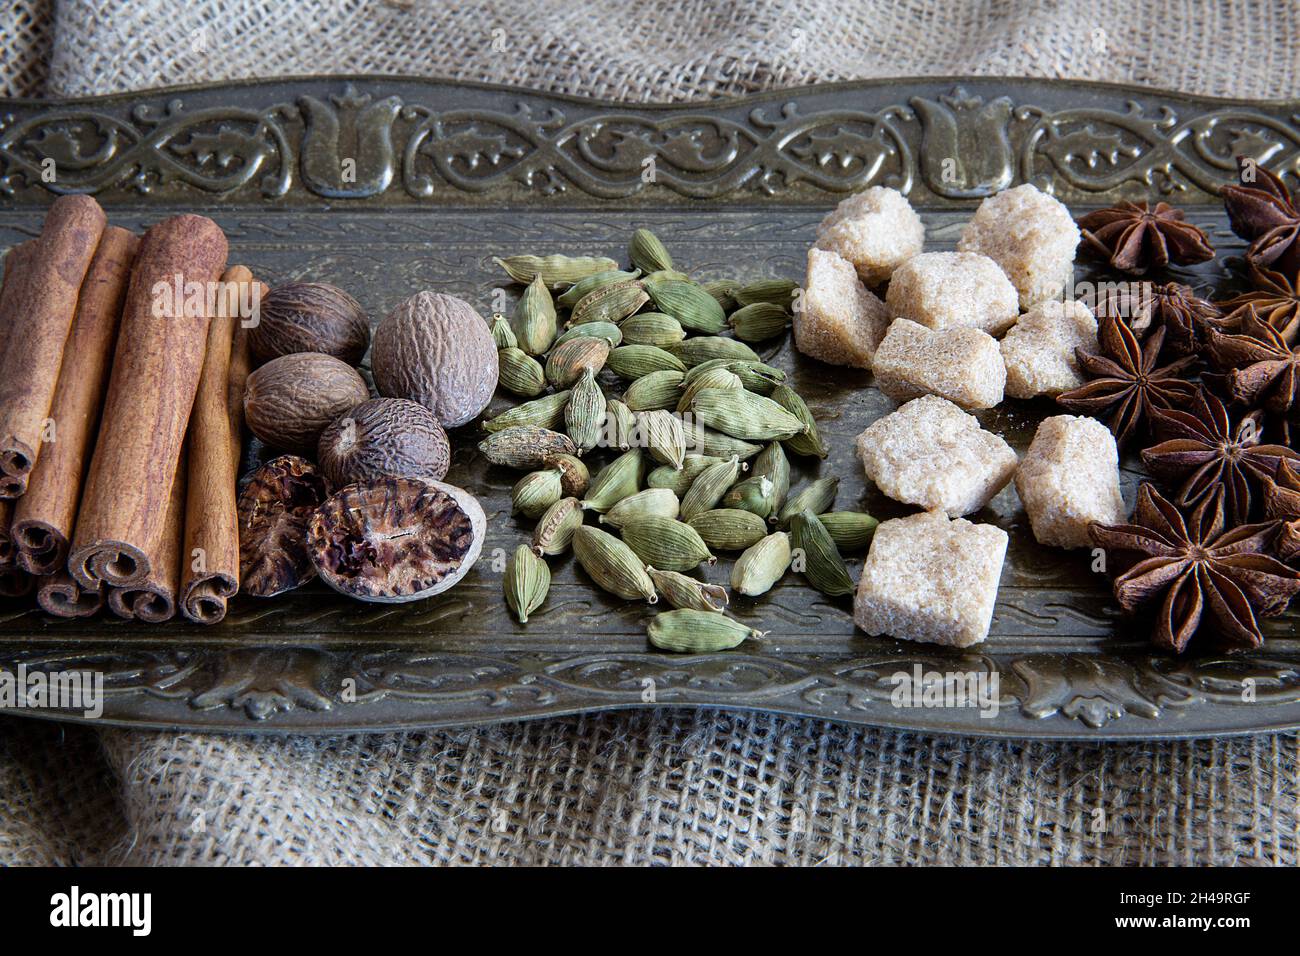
(38, 316)
(154, 599)
(156, 368)
(211, 571)
(61, 596)
(47, 513)
(14, 581)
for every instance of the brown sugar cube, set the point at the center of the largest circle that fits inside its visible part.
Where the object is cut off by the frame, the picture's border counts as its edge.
(1068, 479)
(877, 230)
(932, 454)
(951, 290)
(1031, 235)
(931, 579)
(837, 319)
(1039, 351)
(961, 365)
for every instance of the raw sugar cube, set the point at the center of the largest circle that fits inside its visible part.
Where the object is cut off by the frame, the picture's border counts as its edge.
(877, 230)
(950, 290)
(961, 365)
(1039, 349)
(838, 320)
(1031, 235)
(931, 453)
(931, 579)
(1070, 478)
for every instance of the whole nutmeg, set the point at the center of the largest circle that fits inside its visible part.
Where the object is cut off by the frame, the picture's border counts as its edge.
(384, 437)
(310, 317)
(436, 350)
(290, 400)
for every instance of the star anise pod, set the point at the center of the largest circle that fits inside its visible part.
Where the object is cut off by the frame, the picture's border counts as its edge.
(1185, 316)
(1262, 210)
(1261, 368)
(1126, 381)
(1200, 570)
(1134, 237)
(1204, 450)
(1282, 504)
(1275, 297)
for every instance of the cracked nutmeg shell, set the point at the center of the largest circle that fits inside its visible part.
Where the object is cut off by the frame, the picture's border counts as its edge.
(290, 400)
(436, 350)
(274, 508)
(310, 317)
(384, 437)
(392, 540)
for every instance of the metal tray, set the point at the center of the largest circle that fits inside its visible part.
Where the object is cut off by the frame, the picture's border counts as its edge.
(447, 175)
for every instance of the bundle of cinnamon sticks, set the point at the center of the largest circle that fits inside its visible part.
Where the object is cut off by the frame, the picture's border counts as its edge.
(122, 366)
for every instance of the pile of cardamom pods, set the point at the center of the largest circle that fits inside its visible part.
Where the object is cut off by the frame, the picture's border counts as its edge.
(703, 428)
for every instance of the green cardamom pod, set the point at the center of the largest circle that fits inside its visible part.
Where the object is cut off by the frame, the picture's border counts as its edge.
(810, 442)
(520, 373)
(708, 348)
(544, 412)
(708, 441)
(658, 391)
(610, 303)
(686, 302)
(661, 433)
(665, 543)
(647, 252)
(502, 334)
(758, 322)
(674, 275)
(620, 478)
(707, 490)
(535, 492)
(850, 530)
(525, 447)
(744, 415)
(678, 481)
(729, 529)
(756, 494)
(613, 565)
(557, 526)
(584, 416)
(822, 564)
(592, 330)
(587, 284)
(683, 591)
(724, 291)
(527, 579)
(554, 270)
(816, 497)
(689, 631)
(755, 376)
(620, 425)
(574, 476)
(653, 501)
(631, 362)
(715, 378)
(535, 321)
(566, 363)
(777, 291)
(652, 328)
(772, 463)
(762, 565)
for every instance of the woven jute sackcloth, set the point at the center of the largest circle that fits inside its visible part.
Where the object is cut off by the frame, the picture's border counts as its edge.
(663, 786)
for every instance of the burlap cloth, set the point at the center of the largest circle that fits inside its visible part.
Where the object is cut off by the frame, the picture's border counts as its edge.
(667, 786)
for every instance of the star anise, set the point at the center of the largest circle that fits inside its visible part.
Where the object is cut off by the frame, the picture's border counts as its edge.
(1282, 504)
(1262, 210)
(1134, 237)
(1205, 450)
(1185, 316)
(1261, 368)
(1275, 297)
(1197, 567)
(1126, 381)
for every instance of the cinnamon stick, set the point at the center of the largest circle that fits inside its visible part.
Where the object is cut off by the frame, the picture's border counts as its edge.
(156, 369)
(37, 319)
(46, 514)
(14, 581)
(211, 575)
(61, 596)
(154, 599)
